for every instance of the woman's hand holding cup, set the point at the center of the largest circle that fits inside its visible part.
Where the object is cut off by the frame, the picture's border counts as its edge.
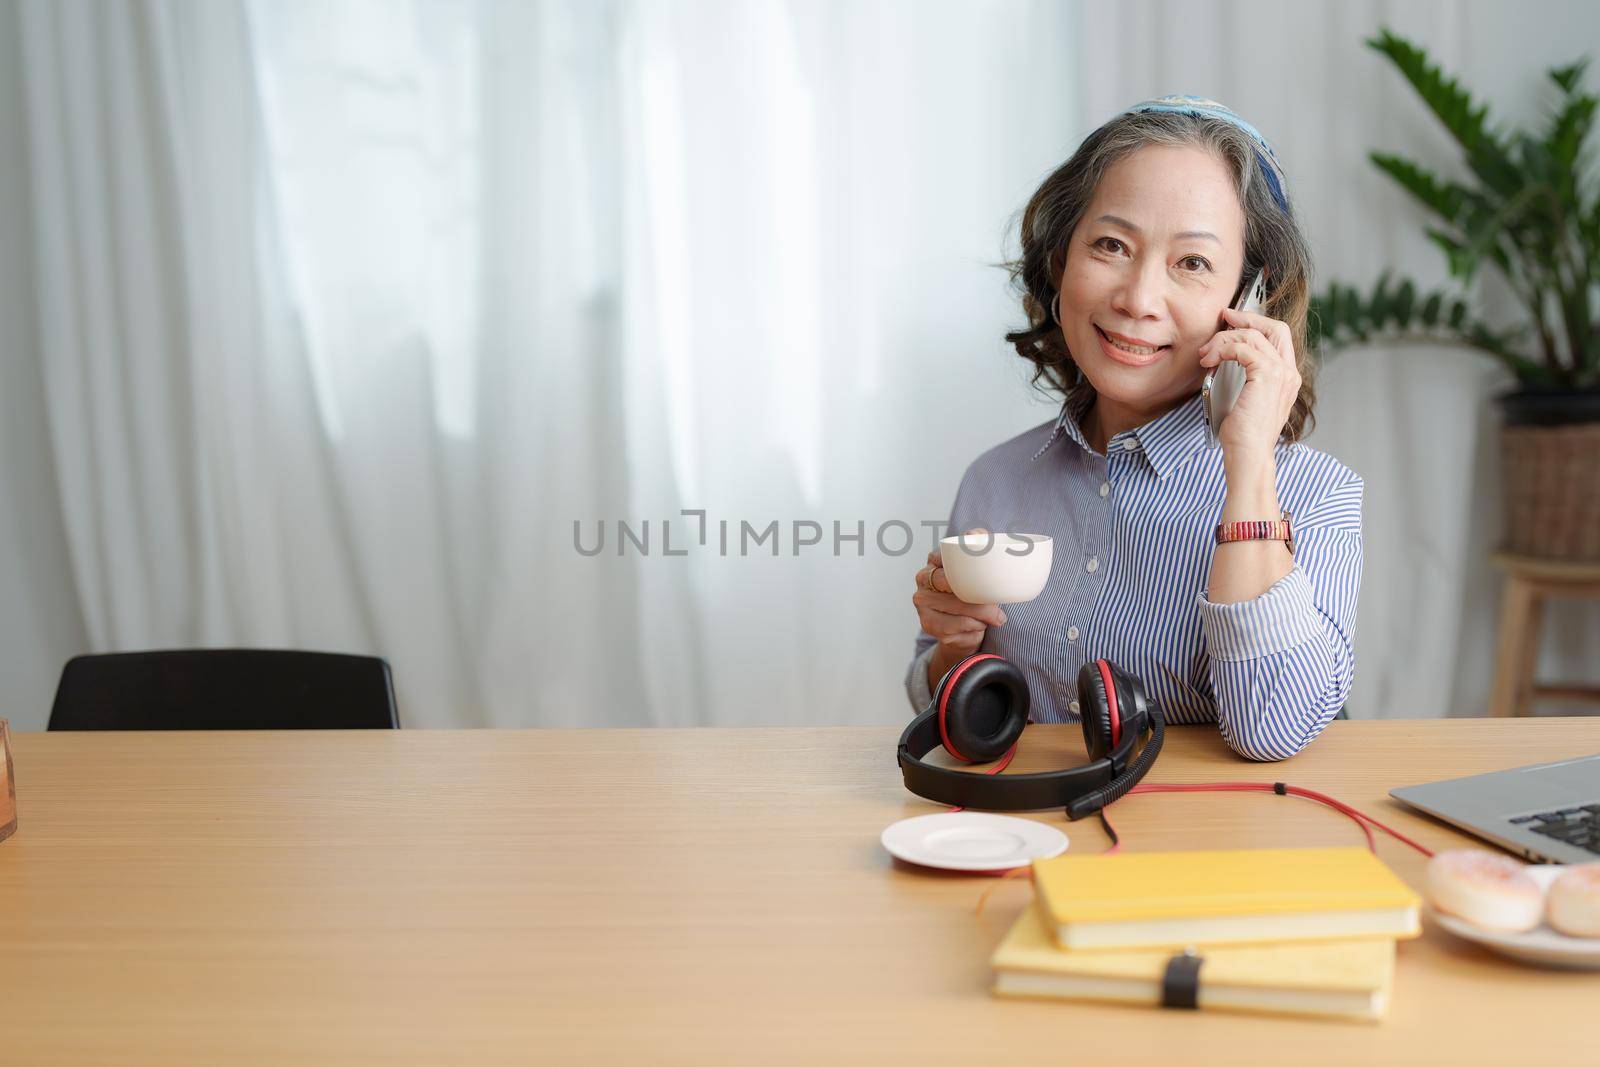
(958, 626)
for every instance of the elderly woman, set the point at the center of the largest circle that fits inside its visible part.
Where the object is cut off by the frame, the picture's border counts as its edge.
(1224, 573)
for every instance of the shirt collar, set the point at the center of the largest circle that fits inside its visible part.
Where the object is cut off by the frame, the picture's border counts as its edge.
(1072, 409)
(1166, 441)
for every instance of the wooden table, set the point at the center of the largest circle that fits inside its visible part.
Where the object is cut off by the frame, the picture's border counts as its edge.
(654, 896)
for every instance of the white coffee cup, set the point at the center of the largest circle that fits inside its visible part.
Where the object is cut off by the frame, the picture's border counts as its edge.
(996, 568)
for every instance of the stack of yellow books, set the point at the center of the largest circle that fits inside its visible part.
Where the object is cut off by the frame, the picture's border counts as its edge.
(1303, 931)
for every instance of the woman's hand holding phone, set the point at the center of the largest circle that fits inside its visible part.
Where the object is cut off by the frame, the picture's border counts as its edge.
(1264, 348)
(958, 626)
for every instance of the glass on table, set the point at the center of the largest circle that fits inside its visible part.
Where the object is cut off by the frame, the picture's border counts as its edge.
(8, 788)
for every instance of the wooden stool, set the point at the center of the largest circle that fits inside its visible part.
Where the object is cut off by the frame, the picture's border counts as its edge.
(1528, 583)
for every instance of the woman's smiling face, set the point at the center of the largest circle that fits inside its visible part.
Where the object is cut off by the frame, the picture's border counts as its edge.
(1154, 260)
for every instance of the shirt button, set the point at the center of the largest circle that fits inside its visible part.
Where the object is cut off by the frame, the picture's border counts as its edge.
(1105, 488)
(1072, 633)
(1093, 564)
(1074, 707)
(1130, 444)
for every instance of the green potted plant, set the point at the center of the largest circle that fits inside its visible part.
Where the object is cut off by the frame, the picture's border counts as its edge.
(1529, 210)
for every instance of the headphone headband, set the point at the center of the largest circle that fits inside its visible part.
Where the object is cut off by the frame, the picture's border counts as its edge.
(1266, 158)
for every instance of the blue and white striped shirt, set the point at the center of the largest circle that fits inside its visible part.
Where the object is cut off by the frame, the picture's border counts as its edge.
(1134, 531)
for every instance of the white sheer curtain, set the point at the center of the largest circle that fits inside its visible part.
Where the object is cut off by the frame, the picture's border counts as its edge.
(346, 312)
(349, 312)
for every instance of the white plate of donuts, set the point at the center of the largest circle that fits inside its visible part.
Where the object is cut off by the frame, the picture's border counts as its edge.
(1539, 913)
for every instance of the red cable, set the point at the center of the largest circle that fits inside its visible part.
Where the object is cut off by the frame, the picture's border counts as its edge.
(1361, 818)
(1116, 841)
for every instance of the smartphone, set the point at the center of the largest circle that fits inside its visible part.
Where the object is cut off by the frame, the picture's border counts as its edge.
(1225, 382)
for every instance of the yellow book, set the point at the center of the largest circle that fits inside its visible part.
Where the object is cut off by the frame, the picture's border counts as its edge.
(1343, 979)
(1173, 899)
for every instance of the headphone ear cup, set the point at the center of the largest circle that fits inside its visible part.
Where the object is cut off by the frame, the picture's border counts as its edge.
(938, 690)
(1094, 707)
(985, 708)
(1133, 714)
(1131, 702)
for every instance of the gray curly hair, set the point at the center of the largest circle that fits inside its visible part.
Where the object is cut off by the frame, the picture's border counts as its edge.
(1273, 242)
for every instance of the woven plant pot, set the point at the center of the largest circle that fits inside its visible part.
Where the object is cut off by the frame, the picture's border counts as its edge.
(1550, 468)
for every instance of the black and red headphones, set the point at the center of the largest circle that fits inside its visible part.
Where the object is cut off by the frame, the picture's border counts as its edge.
(978, 713)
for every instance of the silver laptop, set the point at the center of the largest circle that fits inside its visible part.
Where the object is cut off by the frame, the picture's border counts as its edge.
(1548, 812)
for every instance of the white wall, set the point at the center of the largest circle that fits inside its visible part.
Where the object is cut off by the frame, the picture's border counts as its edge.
(1508, 47)
(1417, 424)
(1500, 52)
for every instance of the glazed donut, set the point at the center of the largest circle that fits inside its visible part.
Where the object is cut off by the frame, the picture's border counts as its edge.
(1573, 904)
(1486, 889)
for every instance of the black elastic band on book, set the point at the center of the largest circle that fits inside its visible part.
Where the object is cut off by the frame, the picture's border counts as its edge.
(1180, 986)
(1280, 789)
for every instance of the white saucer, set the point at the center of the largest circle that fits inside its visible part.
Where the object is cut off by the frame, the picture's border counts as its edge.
(1542, 945)
(972, 841)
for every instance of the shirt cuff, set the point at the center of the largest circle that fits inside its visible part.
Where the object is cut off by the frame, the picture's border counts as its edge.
(917, 680)
(1276, 621)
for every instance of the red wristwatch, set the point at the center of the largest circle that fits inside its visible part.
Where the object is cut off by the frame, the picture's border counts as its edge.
(1281, 530)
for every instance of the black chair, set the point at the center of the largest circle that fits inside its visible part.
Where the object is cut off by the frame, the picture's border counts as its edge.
(225, 689)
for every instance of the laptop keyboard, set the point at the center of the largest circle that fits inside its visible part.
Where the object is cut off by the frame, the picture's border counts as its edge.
(1578, 826)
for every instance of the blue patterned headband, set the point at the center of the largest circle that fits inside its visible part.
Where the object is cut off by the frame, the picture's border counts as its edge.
(1198, 105)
